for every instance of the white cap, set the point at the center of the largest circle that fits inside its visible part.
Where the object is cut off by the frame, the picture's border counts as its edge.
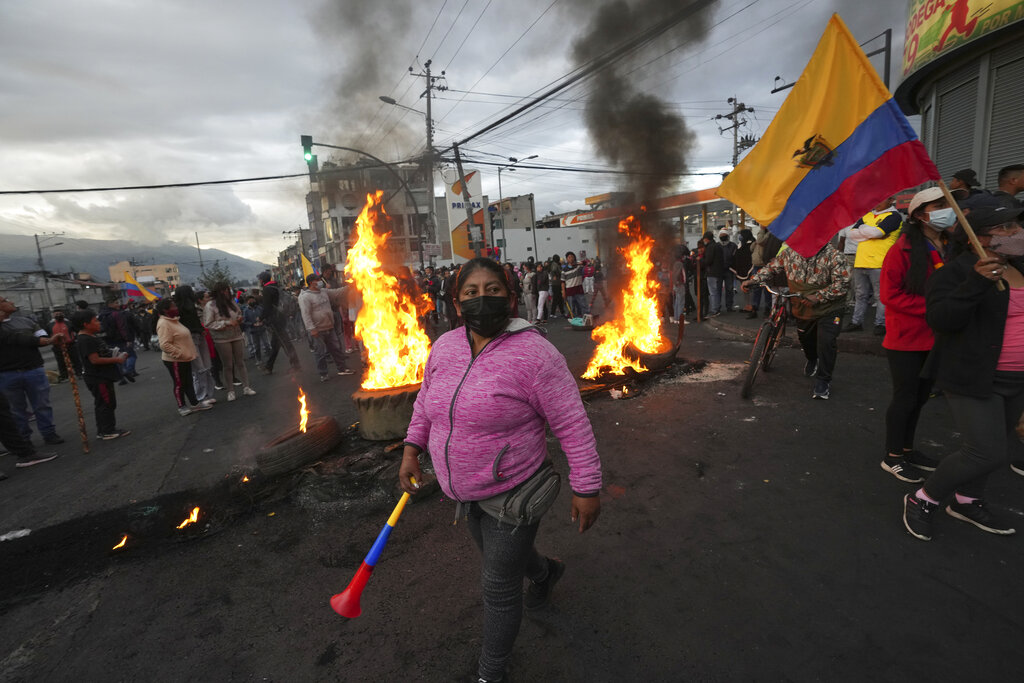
(923, 197)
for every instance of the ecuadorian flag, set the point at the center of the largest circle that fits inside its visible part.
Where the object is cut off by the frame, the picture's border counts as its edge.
(838, 146)
(133, 288)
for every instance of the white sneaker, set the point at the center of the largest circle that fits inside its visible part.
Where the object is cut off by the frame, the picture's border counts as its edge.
(248, 391)
(231, 396)
(208, 401)
(184, 410)
(201, 406)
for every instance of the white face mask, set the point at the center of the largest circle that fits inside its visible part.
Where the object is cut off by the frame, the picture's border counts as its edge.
(942, 219)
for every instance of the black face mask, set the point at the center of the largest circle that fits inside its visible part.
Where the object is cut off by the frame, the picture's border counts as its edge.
(486, 315)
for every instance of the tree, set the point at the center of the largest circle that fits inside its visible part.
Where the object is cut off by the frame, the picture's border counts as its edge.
(214, 274)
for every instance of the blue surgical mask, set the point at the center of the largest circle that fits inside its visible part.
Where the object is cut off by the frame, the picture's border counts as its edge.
(942, 219)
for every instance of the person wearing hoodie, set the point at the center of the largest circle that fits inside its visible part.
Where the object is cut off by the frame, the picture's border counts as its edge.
(177, 352)
(317, 306)
(487, 394)
(223, 318)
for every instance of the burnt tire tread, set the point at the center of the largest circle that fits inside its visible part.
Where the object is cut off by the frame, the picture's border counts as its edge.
(322, 434)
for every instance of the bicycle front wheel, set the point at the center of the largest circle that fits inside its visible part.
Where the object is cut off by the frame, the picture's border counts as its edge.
(756, 357)
(778, 332)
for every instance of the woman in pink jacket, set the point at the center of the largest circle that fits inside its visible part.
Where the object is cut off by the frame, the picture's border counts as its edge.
(488, 392)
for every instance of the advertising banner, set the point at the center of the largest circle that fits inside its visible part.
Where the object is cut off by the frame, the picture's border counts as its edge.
(937, 27)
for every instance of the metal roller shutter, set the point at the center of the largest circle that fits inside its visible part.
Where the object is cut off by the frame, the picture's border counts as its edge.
(1006, 127)
(954, 126)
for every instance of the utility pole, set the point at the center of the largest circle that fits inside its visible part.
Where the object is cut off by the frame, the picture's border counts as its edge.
(470, 228)
(42, 268)
(201, 269)
(736, 116)
(429, 156)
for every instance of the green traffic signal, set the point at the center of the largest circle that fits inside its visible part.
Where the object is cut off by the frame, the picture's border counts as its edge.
(307, 147)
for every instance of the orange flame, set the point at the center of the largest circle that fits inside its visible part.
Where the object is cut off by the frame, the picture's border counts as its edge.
(639, 323)
(303, 414)
(121, 544)
(388, 324)
(245, 479)
(192, 519)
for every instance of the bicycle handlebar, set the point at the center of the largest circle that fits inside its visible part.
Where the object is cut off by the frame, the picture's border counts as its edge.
(784, 295)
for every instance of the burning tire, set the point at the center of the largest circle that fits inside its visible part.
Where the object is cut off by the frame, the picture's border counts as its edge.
(384, 414)
(296, 449)
(652, 361)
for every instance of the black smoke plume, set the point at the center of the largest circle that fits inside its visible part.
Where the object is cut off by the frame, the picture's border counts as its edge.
(632, 129)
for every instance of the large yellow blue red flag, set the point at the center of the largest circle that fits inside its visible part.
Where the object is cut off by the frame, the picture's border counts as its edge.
(838, 146)
(133, 288)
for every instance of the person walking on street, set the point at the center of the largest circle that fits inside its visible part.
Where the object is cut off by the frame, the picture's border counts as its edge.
(12, 439)
(543, 284)
(119, 331)
(713, 268)
(22, 378)
(914, 258)
(275, 320)
(317, 306)
(979, 366)
(223, 318)
(876, 232)
(59, 327)
(822, 281)
(190, 315)
(100, 363)
(489, 392)
(572, 286)
(177, 352)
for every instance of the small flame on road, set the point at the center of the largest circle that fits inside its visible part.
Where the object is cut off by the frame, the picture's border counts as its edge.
(245, 479)
(192, 519)
(303, 413)
(121, 544)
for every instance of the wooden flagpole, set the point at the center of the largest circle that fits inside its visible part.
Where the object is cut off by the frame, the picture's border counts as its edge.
(74, 392)
(978, 249)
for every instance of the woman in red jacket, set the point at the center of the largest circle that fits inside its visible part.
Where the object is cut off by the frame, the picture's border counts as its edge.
(908, 339)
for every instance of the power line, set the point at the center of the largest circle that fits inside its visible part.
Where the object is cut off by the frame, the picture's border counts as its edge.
(463, 42)
(612, 171)
(199, 183)
(503, 54)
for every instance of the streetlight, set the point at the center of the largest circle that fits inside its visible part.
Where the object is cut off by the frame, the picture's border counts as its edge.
(428, 161)
(501, 199)
(42, 268)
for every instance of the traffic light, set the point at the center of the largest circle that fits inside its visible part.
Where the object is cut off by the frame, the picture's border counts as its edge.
(307, 147)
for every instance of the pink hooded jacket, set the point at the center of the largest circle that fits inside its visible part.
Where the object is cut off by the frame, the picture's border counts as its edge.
(482, 419)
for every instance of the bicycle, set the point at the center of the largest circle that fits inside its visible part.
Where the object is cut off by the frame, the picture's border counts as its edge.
(773, 329)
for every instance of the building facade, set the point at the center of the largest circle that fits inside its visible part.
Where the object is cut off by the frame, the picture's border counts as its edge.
(963, 72)
(163, 272)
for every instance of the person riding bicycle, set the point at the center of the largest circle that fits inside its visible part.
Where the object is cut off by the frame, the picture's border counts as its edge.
(822, 281)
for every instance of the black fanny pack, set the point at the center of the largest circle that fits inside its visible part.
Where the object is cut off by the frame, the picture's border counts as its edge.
(527, 502)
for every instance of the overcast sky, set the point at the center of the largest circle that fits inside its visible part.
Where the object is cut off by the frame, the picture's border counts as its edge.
(113, 93)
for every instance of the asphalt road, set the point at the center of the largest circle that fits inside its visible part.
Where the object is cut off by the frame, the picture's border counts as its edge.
(781, 556)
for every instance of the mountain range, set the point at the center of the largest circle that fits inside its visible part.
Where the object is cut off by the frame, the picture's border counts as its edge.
(18, 255)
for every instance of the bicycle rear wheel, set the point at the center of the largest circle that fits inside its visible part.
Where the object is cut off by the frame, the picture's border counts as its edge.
(756, 357)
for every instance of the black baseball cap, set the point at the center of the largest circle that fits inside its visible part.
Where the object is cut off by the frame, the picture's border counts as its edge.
(969, 176)
(984, 218)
